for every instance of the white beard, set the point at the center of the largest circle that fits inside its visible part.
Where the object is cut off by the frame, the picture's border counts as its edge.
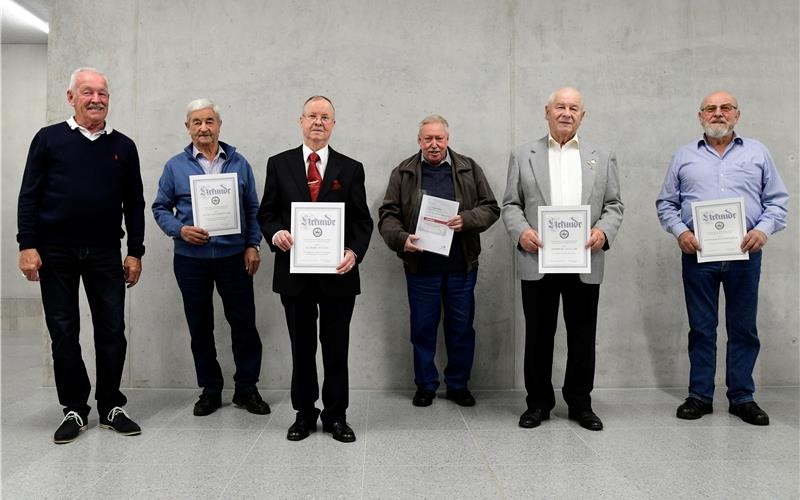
(717, 130)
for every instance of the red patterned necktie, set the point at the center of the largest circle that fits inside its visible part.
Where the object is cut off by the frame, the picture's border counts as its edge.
(314, 179)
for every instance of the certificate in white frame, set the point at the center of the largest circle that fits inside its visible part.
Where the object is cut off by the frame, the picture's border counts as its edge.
(215, 203)
(318, 232)
(719, 226)
(564, 231)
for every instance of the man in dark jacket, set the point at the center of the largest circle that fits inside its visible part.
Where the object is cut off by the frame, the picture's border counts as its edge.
(435, 280)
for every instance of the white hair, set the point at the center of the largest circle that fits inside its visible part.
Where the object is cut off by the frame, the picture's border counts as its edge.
(74, 76)
(435, 119)
(199, 104)
(552, 97)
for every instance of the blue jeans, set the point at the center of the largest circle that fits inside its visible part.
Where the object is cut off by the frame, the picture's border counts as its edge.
(100, 269)
(701, 283)
(196, 279)
(426, 296)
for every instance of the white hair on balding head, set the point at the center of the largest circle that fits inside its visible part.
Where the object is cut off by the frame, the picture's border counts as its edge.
(74, 77)
(435, 119)
(199, 104)
(552, 97)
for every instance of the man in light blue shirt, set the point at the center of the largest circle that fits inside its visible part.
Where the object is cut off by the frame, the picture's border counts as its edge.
(721, 165)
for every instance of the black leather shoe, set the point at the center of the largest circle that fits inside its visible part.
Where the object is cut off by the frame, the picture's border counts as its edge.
(71, 427)
(423, 397)
(462, 397)
(533, 418)
(693, 408)
(301, 429)
(251, 402)
(750, 412)
(587, 419)
(340, 431)
(206, 405)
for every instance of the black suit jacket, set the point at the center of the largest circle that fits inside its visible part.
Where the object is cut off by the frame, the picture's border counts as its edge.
(343, 182)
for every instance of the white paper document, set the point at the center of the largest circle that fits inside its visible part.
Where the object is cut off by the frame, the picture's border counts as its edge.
(564, 231)
(719, 227)
(215, 203)
(318, 232)
(434, 235)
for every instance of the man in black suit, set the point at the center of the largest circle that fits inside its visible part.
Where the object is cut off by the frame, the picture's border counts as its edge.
(315, 172)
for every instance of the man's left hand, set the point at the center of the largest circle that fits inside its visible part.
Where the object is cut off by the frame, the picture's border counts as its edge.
(597, 239)
(347, 263)
(456, 223)
(133, 269)
(252, 259)
(754, 240)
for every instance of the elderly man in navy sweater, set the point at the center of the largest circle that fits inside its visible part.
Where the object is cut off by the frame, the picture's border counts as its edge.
(80, 179)
(228, 259)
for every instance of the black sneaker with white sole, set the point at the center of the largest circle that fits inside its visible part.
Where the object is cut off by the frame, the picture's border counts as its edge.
(72, 425)
(119, 421)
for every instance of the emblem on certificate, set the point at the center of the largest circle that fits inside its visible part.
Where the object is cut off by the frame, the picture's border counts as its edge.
(564, 231)
(215, 203)
(318, 232)
(719, 227)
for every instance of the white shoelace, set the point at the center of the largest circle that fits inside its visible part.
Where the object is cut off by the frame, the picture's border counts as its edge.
(116, 411)
(73, 416)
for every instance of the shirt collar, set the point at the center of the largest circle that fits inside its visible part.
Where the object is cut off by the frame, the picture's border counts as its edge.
(220, 153)
(552, 142)
(736, 140)
(323, 154)
(73, 125)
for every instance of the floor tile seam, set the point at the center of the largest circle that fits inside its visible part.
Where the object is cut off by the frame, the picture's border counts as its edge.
(241, 464)
(586, 443)
(364, 452)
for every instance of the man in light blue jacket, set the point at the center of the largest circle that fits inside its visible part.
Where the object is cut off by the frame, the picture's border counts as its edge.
(203, 260)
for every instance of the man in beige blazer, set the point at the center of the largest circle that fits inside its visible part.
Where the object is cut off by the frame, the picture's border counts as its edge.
(561, 169)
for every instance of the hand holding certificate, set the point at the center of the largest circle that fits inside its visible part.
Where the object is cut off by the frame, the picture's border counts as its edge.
(215, 203)
(318, 232)
(434, 235)
(563, 232)
(719, 227)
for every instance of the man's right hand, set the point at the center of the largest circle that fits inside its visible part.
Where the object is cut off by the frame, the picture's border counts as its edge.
(194, 235)
(409, 245)
(529, 240)
(688, 242)
(29, 264)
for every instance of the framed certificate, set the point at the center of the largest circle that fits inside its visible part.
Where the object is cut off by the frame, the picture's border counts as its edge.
(719, 227)
(434, 235)
(215, 203)
(318, 232)
(564, 232)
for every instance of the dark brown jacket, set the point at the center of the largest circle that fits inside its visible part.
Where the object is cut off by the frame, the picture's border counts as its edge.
(400, 209)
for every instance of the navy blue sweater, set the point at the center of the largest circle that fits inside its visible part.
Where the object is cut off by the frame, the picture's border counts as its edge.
(76, 191)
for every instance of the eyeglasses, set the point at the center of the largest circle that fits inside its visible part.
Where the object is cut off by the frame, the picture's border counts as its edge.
(323, 118)
(711, 109)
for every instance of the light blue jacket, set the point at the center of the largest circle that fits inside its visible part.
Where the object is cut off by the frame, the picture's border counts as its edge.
(172, 207)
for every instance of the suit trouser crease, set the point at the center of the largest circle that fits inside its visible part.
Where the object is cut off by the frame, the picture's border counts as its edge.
(428, 294)
(540, 302)
(196, 279)
(62, 270)
(740, 280)
(334, 314)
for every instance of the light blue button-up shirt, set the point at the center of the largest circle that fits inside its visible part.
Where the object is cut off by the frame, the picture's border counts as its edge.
(698, 173)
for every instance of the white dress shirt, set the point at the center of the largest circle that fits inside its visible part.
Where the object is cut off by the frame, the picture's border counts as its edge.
(85, 131)
(565, 172)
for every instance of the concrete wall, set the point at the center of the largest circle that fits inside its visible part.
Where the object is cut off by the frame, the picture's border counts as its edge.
(643, 68)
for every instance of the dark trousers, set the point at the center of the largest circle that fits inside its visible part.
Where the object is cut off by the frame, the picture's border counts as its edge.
(196, 279)
(540, 304)
(104, 281)
(334, 315)
(427, 294)
(701, 282)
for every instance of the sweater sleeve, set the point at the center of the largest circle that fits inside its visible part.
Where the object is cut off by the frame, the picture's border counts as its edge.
(133, 206)
(30, 193)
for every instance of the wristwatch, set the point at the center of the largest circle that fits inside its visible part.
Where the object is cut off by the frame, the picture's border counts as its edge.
(257, 247)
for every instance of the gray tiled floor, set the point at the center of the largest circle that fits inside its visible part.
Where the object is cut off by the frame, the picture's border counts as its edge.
(442, 451)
